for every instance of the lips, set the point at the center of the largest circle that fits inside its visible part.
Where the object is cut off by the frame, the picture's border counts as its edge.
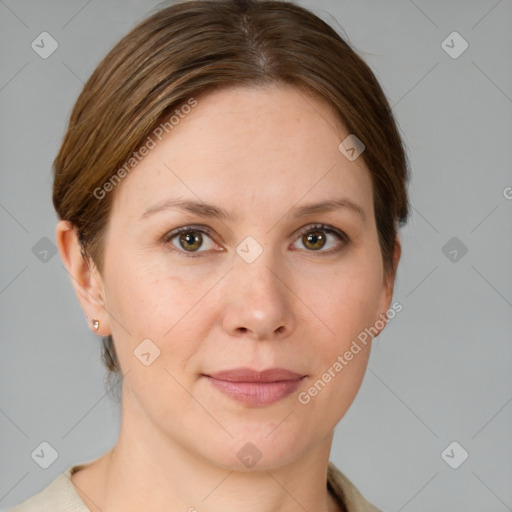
(256, 388)
(249, 375)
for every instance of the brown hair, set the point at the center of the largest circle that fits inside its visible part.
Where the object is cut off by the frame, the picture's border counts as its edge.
(199, 45)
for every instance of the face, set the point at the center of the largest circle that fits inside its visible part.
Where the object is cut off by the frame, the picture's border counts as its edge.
(254, 280)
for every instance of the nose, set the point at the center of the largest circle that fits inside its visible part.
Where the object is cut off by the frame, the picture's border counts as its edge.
(258, 301)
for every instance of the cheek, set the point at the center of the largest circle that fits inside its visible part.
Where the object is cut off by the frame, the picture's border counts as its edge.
(349, 308)
(347, 300)
(149, 302)
(147, 294)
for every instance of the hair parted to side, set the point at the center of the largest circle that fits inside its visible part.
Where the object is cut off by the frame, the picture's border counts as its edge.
(195, 46)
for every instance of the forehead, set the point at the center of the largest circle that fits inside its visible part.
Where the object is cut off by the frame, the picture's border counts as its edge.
(244, 146)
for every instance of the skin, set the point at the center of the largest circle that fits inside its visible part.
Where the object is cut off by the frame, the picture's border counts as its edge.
(257, 153)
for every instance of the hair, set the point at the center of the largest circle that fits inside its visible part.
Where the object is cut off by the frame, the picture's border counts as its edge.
(198, 46)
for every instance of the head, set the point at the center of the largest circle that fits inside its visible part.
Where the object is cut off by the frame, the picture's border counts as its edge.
(241, 107)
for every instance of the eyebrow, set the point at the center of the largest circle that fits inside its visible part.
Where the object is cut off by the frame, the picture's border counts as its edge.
(208, 210)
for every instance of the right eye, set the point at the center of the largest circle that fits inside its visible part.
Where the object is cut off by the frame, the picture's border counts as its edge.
(189, 239)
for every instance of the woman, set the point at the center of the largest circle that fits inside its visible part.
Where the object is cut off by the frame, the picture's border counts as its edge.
(229, 192)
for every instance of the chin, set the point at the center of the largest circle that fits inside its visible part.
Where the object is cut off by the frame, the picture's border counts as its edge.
(256, 447)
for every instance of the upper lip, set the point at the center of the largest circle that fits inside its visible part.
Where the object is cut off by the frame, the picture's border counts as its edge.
(250, 375)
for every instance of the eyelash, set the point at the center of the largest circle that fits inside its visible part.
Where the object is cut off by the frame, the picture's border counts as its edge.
(342, 237)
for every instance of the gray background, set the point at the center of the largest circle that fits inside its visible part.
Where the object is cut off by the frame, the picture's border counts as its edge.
(440, 372)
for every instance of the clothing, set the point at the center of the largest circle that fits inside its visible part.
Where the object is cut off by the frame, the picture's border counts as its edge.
(346, 493)
(61, 496)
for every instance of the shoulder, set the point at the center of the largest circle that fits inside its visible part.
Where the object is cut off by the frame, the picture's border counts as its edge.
(346, 492)
(58, 496)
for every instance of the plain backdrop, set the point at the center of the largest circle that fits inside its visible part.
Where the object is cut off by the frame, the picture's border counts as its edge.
(441, 371)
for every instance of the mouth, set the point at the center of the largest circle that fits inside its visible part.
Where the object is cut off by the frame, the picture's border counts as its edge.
(256, 388)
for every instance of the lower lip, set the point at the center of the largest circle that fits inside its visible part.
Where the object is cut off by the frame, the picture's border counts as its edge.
(256, 393)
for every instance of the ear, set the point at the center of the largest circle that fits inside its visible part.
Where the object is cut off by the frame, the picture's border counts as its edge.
(85, 278)
(389, 282)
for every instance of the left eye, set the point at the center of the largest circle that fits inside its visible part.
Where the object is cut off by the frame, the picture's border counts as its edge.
(316, 238)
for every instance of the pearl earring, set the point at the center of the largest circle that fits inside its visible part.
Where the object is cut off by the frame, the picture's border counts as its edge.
(96, 324)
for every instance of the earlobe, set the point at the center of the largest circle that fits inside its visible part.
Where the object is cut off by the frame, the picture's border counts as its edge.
(84, 276)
